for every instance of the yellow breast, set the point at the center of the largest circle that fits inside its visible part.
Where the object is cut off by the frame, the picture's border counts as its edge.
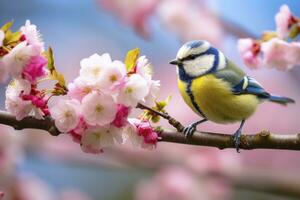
(216, 101)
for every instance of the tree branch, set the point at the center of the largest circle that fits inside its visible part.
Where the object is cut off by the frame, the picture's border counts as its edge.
(46, 124)
(262, 140)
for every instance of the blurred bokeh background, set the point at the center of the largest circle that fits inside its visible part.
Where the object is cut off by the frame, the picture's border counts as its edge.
(54, 168)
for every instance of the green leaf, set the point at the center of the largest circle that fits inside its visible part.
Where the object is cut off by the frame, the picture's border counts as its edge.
(131, 58)
(7, 26)
(160, 105)
(54, 74)
(11, 37)
(50, 57)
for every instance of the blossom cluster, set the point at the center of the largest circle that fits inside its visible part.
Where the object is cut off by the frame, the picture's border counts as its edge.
(280, 49)
(95, 107)
(22, 57)
(100, 100)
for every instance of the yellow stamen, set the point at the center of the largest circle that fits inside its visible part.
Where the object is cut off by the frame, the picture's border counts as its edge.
(128, 90)
(99, 108)
(113, 78)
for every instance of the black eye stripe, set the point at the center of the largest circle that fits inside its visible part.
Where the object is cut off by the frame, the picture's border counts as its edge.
(210, 51)
(191, 57)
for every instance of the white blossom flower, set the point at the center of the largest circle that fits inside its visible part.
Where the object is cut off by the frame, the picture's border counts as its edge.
(153, 91)
(136, 88)
(18, 57)
(281, 54)
(140, 134)
(96, 138)
(66, 114)
(18, 86)
(92, 67)
(98, 109)
(32, 35)
(144, 68)
(2, 36)
(16, 106)
(36, 113)
(79, 88)
(131, 136)
(284, 21)
(112, 76)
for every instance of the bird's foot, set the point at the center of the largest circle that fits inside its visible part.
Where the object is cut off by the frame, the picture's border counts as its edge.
(237, 140)
(190, 130)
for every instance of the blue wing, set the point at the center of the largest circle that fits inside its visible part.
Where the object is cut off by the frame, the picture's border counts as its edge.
(240, 82)
(249, 85)
(243, 84)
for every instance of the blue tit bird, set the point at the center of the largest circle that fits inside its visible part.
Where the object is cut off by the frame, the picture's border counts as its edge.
(217, 89)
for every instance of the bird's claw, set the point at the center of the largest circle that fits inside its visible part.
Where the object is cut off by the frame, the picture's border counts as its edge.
(189, 131)
(237, 140)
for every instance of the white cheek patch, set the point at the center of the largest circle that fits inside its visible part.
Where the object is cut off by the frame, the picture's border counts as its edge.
(199, 66)
(184, 51)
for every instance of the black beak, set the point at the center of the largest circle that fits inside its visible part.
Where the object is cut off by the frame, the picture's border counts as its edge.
(175, 62)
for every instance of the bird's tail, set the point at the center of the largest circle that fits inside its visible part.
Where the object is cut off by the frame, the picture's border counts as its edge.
(281, 100)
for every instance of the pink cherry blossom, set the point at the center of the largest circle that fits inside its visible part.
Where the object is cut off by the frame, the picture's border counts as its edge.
(136, 88)
(192, 24)
(172, 183)
(113, 75)
(11, 151)
(2, 36)
(39, 102)
(18, 86)
(19, 57)
(77, 132)
(141, 134)
(18, 107)
(280, 54)
(34, 69)
(66, 114)
(134, 13)
(29, 187)
(14, 103)
(145, 129)
(79, 88)
(98, 109)
(96, 138)
(284, 20)
(250, 52)
(1, 195)
(23, 100)
(121, 116)
(32, 35)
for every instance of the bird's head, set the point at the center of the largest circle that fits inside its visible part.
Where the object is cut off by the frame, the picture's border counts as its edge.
(198, 57)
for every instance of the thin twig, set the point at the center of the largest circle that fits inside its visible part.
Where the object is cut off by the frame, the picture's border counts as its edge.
(172, 121)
